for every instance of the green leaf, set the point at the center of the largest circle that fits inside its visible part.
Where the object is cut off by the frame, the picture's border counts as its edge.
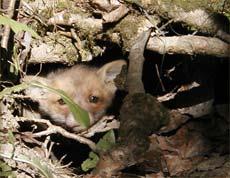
(33, 161)
(43, 169)
(15, 66)
(80, 115)
(6, 170)
(91, 162)
(11, 137)
(16, 88)
(104, 144)
(17, 26)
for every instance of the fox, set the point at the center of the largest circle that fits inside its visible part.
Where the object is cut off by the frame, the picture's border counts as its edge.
(91, 88)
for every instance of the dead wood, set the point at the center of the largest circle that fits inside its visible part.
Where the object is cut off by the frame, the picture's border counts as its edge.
(196, 15)
(126, 30)
(191, 45)
(198, 108)
(82, 21)
(116, 14)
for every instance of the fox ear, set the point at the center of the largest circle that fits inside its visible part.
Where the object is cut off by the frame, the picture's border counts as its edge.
(109, 71)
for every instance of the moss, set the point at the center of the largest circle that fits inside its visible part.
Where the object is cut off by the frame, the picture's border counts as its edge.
(186, 5)
(71, 6)
(63, 46)
(96, 50)
(46, 13)
(128, 28)
(63, 5)
(66, 17)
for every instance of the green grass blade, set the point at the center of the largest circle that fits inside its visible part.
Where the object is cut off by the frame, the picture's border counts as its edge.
(17, 26)
(80, 115)
(16, 88)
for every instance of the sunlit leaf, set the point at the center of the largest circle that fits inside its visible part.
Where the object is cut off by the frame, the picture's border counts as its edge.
(79, 114)
(6, 170)
(104, 144)
(43, 169)
(91, 162)
(11, 137)
(32, 161)
(17, 26)
(16, 88)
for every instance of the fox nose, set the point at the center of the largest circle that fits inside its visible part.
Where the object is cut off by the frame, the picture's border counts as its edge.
(71, 121)
(65, 111)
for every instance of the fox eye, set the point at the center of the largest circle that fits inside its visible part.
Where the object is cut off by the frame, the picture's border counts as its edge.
(93, 99)
(60, 101)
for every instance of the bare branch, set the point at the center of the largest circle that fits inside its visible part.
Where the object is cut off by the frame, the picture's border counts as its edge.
(116, 14)
(53, 129)
(136, 58)
(193, 15)
(81, 21)
(189, 45)
(106, 123)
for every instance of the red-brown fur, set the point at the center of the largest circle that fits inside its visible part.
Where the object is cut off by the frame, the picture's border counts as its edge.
(79, 82)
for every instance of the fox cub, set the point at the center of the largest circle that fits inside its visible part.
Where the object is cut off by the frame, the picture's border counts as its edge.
(91, 88)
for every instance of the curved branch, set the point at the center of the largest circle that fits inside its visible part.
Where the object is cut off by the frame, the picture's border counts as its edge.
(193, 14)
(52, 129)
(136, 58)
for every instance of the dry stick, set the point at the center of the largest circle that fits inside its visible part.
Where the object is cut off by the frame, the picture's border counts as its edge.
(189, 44)
(6, 33)
(200, 19)
(52, 129)
(116, 14)
(159, 77)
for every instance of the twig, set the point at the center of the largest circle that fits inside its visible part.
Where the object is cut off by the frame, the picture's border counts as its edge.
(189, 44)
(200, 19)
(53, 129)
(106, 123)
(159, 77)
(31, 12)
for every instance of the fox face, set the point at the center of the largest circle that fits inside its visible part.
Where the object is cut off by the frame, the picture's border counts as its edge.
(91, 88)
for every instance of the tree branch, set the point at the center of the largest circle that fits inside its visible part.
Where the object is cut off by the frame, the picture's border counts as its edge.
(53, 129)
(136, 58)
(189, 44)
(194, 14)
